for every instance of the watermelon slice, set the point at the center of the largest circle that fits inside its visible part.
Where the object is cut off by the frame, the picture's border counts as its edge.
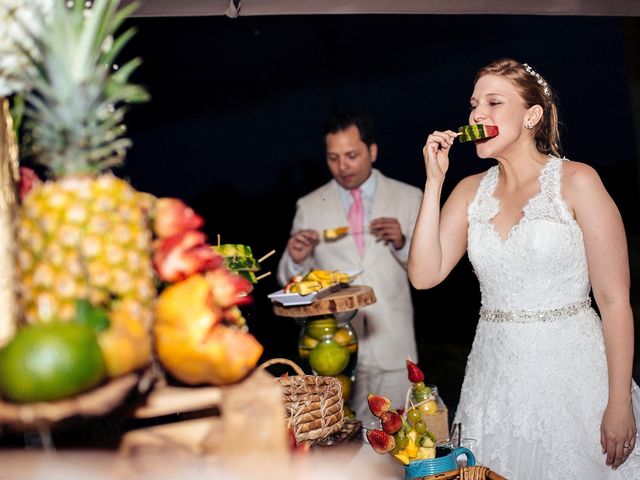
(469, 133)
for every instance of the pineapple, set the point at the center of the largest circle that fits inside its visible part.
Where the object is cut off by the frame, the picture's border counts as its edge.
(83, 234)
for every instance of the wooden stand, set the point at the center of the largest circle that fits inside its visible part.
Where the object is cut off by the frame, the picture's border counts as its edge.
(345, 299)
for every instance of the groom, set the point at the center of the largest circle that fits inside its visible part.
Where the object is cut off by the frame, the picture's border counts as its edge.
(381, 214)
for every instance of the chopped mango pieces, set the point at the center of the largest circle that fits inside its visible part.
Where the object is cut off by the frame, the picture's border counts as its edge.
(402, 457)
(315, 281)
(335, 233)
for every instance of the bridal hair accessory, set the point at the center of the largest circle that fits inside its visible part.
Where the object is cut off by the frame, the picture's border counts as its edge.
(627, 446)
(531, 71)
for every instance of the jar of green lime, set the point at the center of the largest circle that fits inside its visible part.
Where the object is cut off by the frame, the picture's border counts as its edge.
(328, 346)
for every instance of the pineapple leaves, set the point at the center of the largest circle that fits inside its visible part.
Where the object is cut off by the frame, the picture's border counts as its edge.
(108, 58)
(74, 115)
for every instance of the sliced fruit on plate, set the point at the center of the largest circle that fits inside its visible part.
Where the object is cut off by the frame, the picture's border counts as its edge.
(304, 287)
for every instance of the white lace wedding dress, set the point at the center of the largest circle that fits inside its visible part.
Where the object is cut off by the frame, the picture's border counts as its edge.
(536, 381)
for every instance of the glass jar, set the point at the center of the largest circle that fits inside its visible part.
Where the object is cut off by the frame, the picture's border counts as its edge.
(426, 399)
(328, 346)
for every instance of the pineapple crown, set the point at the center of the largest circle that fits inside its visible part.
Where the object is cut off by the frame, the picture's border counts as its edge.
(75, 111)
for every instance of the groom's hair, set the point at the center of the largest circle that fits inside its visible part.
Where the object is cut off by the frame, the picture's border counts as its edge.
(342, 121)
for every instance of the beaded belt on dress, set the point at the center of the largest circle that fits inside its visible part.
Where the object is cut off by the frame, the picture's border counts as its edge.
(526, 316)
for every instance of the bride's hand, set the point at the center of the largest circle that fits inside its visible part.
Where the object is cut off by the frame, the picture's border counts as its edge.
(618, 434)
(436, 154)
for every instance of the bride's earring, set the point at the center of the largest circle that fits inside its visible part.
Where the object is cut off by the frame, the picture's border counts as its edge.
(529, 125)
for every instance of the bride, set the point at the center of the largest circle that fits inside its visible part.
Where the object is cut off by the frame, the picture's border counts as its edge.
(548, 392)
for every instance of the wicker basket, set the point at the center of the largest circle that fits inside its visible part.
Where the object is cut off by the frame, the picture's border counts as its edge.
(313, 403)
(477, 472)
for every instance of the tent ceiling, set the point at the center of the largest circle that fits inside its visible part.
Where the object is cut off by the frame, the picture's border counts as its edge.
(170, 8)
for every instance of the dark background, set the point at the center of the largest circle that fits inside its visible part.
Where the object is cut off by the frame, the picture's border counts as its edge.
(234, 127)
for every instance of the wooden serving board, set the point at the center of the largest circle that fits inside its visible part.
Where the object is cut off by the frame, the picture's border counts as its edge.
(345, 299)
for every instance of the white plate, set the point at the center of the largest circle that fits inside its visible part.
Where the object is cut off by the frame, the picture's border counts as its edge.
(294, 299)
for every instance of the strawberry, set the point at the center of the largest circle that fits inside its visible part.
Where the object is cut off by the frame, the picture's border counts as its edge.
(415, 374)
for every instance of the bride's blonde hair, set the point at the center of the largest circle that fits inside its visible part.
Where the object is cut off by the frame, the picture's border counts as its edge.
(535, 91)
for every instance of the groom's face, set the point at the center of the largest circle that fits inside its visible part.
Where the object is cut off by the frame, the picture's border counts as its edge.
(349, 158)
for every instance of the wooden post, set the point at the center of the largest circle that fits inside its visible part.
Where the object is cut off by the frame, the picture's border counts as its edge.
(8, 204)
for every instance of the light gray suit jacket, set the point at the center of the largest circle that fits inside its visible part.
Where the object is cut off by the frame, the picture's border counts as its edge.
(389, 335)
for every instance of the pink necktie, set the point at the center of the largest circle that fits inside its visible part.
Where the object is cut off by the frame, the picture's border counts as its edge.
(356, 219)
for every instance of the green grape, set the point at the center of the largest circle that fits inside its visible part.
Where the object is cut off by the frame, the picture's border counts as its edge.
(420, 426)
(414, 415)
(419, 386)
(402, 442)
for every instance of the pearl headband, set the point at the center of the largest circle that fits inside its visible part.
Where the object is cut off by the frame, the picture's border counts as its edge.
(531, 71)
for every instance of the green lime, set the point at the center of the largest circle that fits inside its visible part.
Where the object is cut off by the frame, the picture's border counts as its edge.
(329, 358)
(321, 327)
(50, 361)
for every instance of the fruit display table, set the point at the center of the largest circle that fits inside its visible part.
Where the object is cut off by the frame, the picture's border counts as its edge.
(328, 344)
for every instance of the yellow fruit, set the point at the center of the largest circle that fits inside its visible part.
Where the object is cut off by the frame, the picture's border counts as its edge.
(49, 362)
(305, 346)
(126, 344)
(329, 358)
(306, 287)
(411, 449)
(402, 457)
(430, 407)
(426, 452)
(191, 343)
(309, 342)
(343, 336)
(347, 338)
(187, 303)
(346, 386)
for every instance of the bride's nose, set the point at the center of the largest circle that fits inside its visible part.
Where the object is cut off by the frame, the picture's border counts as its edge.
(478, 115)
